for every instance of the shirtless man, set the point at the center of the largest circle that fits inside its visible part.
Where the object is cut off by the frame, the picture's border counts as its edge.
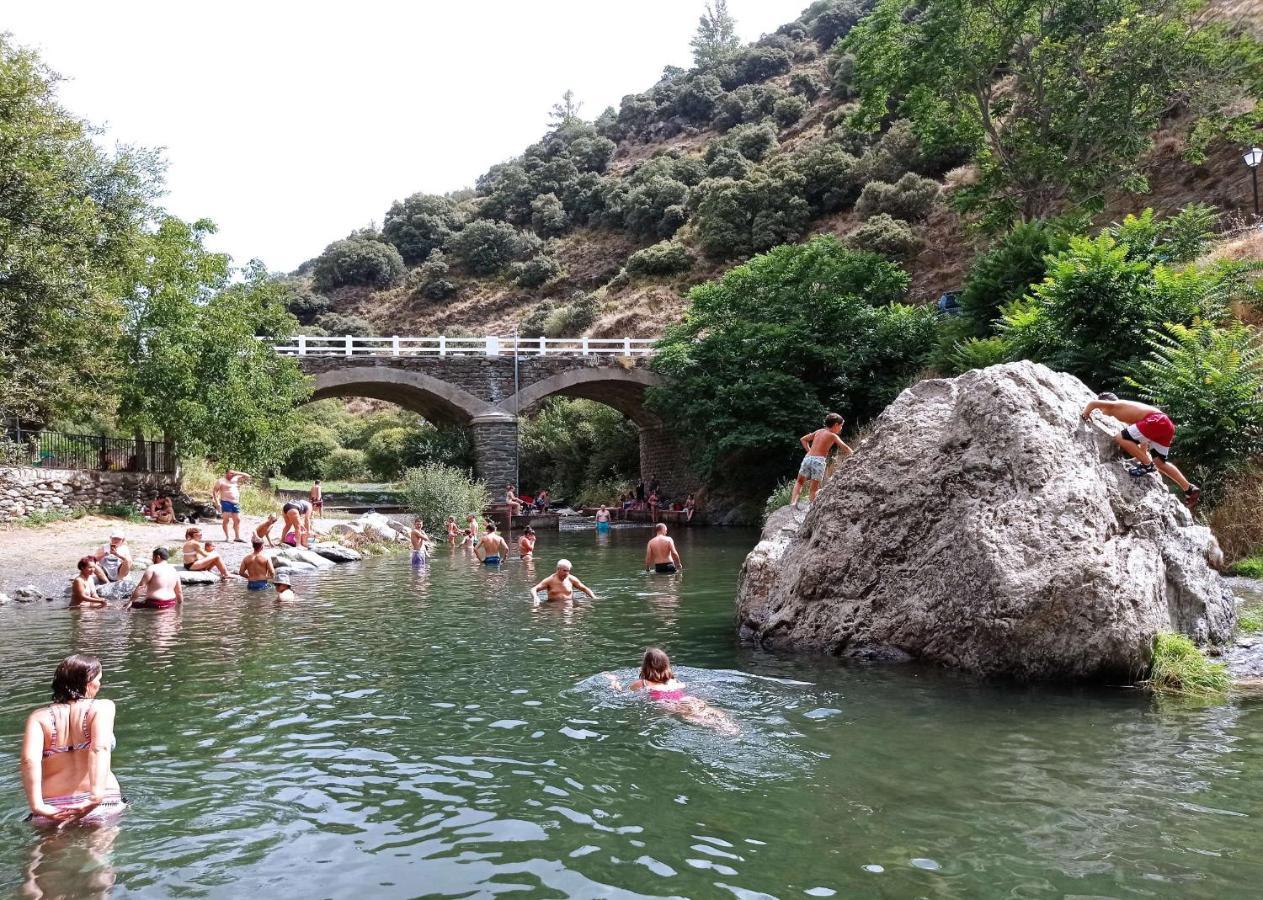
(818, 444)
(661, 555)
(1147, 436)
(603, 518)
(264, 529)
(160, 584)
(226, 495)
(512, 501)
(492, 548)
(453, 532)
(560, 585)
(317, 497)
(257, 568)
(420, 541)
(526, 543)
(283, 591)
(83, 588)
(471, 524)
(197, 555)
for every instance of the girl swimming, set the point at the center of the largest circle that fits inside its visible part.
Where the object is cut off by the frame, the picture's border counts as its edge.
(658, 680)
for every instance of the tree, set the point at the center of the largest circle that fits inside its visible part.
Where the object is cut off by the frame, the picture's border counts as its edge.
(1058, 100)
(566, 111)
(420, 224)
(716, 36)
(771, 346)
(357, 260)
(70, 217)
(190, 362)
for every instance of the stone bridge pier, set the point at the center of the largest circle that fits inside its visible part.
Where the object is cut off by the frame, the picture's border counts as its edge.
(488, 394)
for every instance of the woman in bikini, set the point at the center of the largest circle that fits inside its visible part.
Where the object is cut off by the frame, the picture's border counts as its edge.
(199, 557)
(66, 750)
(658, 680)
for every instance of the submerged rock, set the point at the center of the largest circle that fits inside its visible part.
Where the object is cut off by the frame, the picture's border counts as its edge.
(189, 577)
(29, 594)
(982, 525)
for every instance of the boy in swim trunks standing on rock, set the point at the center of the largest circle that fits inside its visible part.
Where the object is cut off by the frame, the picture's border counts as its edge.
(1147, 436)
(818, 444)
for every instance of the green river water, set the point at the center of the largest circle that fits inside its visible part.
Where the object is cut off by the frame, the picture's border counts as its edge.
(406, 732)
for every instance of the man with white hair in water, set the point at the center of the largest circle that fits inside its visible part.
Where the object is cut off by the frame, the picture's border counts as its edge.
(561, 585)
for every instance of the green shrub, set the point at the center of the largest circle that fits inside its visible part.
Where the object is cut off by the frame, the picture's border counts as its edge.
(1250, 567)
(1175, 240)
(727, 162)
(346, 465)
(830, 20)
(788, 110)
(778, 498)
(311, 447)
(306, 306)
(697, 98)
(485, 247)
(548, 216)
(806, 85)
(885, 235)
(571, 444)
(431, 277)
(1250, 621)
(435, 492)
(533, 272)
(831, 176)
(663, 258)
(553, 319)
(1180, 668)
(977, 353)
(753, 64)
(737, 218)
(895, 153)
(1008, 269)
(747, 104)
(655, 207)
(1210, 381)
(449, 445)
(421, 224)
(386, 453)
(841, 69)
(910, 198)
(339, 324)
(357, 261)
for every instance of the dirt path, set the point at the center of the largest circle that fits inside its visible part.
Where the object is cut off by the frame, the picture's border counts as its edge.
(45, 556)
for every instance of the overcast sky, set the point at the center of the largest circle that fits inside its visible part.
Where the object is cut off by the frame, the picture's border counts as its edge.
(289, 124)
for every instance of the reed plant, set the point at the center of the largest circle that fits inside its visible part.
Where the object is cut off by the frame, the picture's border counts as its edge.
(1180, 669)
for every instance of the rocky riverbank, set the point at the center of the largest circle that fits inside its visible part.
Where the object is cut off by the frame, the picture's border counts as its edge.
(37, 564)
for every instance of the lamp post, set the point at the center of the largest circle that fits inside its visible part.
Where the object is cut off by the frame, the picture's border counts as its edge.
(1252, 158)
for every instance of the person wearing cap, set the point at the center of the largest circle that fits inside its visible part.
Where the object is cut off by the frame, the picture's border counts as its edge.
(283, 591)
(1147, 436)
(257, 568)
(114, 560)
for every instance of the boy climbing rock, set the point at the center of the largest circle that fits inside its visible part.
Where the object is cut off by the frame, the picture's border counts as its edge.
(1147, 437)
(818, 444)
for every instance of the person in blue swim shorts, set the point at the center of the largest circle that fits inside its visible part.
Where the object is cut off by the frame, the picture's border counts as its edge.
(421, 543)
(257, 568)
(226, 495)
(492, 548)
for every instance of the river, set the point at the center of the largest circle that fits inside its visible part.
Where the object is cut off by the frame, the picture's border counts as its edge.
(426, 732)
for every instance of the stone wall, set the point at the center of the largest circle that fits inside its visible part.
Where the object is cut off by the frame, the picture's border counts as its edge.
(26, 490)
(663, 458)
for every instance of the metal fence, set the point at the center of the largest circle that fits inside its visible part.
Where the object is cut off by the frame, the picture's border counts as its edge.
(53, 450)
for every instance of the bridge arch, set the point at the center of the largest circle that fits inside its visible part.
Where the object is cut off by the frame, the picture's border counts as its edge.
(434, 399)
(617, 387)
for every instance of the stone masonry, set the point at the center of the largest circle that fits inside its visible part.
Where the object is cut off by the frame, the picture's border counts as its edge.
(488, 393)
(27, 490)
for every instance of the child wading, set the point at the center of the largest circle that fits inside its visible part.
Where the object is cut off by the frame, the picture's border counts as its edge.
(818, 444)
(1147, 437)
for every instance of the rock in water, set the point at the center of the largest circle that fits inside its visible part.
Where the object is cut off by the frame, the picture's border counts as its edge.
(337, 553)
(984, 526)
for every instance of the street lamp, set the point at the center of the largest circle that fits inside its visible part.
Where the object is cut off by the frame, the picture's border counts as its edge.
(1252, 158)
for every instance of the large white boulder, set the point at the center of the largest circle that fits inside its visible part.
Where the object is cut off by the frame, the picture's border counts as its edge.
(984, 526)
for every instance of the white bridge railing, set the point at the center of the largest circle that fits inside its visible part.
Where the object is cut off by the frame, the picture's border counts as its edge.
(304, 345)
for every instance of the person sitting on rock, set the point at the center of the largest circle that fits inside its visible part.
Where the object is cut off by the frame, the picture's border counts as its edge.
(818, 444)
(199, 556)
(1147, 436)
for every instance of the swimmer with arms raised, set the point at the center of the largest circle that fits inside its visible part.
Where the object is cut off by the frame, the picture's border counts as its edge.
(658, 680)
(66, 750)
(561, 585)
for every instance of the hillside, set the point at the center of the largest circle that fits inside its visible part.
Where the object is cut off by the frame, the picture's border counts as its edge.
(722, 161)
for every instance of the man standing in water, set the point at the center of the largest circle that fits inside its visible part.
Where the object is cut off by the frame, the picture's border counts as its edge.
(492, 548)
(560, 585)
(1147, 437)
(257, 568)
(661, 555)
(818, 444)
(226, 495)
(160, 584)
(420, 541)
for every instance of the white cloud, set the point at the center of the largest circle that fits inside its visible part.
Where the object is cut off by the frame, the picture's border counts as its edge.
(290, 124)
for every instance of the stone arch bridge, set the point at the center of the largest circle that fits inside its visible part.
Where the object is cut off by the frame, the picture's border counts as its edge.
(486, 384)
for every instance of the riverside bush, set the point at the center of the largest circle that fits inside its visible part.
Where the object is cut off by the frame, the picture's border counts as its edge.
(663, 258)
(357, 261)
(435, 492)
(885, 235)
(344, 464)
(386, 453)
(312, 445)
(1180, 668)
(909, 199)
(1007, 270)
(571, 445)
